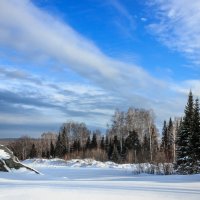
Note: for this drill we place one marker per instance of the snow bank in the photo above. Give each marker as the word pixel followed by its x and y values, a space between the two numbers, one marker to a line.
pixel 90 163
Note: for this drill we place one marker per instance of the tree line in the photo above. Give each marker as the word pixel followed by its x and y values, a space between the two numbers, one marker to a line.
pixel 131 137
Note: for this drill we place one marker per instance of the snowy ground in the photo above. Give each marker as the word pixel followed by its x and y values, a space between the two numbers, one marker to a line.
pixel 86 180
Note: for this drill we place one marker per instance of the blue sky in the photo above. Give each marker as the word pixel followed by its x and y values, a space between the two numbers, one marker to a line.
pixel 80 60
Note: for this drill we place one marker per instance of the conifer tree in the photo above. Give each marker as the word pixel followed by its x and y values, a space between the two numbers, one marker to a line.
pixel 164 143
pixel 48 154
pixel 146 149
pixel 116 142
pixel 102 145
pixel 64 140
pixel 183 139
pixel 60 149
pixel 88 143
pixel 33 152
pixel 78 145
pixel 94 142
pixel 110 149
pixel 133 143
pixel 195 139
pixel 115 154
pixel 58 146
pixel 52 150
pixel 170 141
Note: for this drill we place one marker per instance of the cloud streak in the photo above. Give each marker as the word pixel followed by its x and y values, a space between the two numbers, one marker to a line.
pixel 23 101
pixel 125 22
pixel 177 26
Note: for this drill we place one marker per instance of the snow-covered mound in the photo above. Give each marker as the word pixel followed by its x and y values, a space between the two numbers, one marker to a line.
pixel 90 163
pixel 9 162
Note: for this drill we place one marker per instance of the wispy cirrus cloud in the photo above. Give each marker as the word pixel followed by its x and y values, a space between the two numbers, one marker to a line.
pixel 177 26
pixel 125 21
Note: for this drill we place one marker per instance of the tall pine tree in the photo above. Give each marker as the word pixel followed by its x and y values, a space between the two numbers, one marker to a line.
pixel 61 148
pixel 52 150
pixel 94 141
pixel 184 159
pixel 170 141
pixel 33 152
pixel 88 144
pixel 195 139
pixel 133 143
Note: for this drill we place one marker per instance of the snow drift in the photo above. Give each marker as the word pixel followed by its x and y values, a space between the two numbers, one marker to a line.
pixel 148 168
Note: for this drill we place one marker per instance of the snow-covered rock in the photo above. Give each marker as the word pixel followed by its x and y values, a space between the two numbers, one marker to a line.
pixel 9 162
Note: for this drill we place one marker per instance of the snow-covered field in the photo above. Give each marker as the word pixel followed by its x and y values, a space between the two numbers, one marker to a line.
pixel 88 179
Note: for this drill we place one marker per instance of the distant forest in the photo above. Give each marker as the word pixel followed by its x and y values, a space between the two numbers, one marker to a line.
pixel 132 137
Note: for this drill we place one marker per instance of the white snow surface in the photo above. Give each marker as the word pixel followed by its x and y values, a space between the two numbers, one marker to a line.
pixel 93 180
pixel 4 155
pixel 90 163
pixel 87 163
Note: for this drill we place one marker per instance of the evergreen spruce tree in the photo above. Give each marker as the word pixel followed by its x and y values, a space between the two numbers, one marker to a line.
pixel 33 152
pixel 52 150
pixel 102 145
pixel 64 140
pixel 164 143
pixel 88 143
pixel 195 139
pixel 133 143
pixel 78 145
pixel 48 154
pixel 116 142
pixel 170 141
pixel 94 141
pixel 60 148
pixel 184 160
pixel 110 149
pixel 146 149
pixel 164 137
pixel 115 154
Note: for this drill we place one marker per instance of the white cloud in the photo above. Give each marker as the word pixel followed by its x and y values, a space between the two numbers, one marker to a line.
pixel 187 85
pixel 143 19
pixel 177 26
